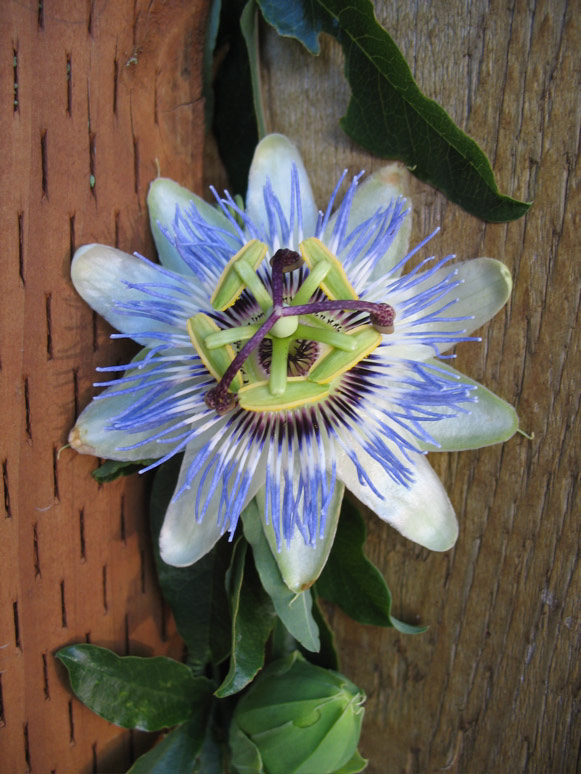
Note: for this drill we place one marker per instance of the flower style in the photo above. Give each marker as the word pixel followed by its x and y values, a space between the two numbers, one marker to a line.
pixel 288 357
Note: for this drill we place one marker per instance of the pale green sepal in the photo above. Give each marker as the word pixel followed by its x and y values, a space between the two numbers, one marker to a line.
pixel 491 420
pixel 182 540
pixel 92 432
pixel 485 288
pixel 422 512
pixel 164 197
pixel 273 161
pixel 100 273
pixel 300 565
pixel 245 755
pixel 293 609
pixel 375 192
pixel 354 766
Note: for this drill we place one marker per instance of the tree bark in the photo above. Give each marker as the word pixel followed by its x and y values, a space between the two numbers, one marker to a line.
pixel 96 97
pixel 492 685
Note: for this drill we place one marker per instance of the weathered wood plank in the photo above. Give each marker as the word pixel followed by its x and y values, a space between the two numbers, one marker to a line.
pixel 491 686
pixel 92 95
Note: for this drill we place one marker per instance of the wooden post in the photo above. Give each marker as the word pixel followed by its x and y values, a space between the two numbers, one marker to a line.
pixel 491 685
pixel 95 98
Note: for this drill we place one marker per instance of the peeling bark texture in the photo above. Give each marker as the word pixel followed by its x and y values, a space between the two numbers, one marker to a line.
pixel 493 685
pixel 95 95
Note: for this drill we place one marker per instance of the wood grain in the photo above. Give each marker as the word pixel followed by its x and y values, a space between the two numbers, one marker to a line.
pixel 94 97
pixel 494 684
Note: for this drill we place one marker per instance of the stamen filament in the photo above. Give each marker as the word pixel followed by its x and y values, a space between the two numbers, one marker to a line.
pixel 311 283
pixel 326 336
pixel 230 335
pixel 254 283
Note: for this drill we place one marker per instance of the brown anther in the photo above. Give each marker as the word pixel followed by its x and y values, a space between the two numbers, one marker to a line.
pixel 382 318
pixel 221 401
pixel 288 259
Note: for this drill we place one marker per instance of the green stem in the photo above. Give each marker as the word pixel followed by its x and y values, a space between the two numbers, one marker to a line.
pixel 249 28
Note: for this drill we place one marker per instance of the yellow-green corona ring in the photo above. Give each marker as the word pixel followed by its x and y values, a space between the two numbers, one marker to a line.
pixel 321 296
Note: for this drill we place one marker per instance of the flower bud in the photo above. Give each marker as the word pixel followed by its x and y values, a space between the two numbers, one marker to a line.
pixel 298 718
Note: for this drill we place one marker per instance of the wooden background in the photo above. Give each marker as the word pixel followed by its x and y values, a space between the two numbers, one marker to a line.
pixel 493 686
pixel 92 94
pixel 103 89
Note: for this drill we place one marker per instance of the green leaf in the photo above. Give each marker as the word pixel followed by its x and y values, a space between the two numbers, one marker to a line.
pixel 388 114
pixel 253 617
pixel 352 582
pixel 249 29
pixel 113 469
pixel 294 20
pixel 196 594
pixel 177 752
pixel 295 610
pixel 234 122
pixel 144 693
pixel 356 764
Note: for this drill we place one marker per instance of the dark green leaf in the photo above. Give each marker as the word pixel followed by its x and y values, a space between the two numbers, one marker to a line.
pixel 352 582
pixel 253 617
pixel 234 124
pixel 113 469
pixel 293 609
pixel 196 594
pixel 389 115
pixel 208 66
pixel 212 757
pixel 299 20
pixel 177 752
pixel 327 656
pixel 144 693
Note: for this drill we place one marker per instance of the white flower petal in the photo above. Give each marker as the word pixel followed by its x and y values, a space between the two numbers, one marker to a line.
pixel 485 288
pixel 93 434
pixel 423 513
pixel 163 198
pixel 99 274
pixel 490 420
pixel 300 565
pixel 273 160
pixel 375 192
pixel 182 540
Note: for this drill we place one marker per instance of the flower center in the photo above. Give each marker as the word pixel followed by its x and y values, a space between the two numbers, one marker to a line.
pixel 301 351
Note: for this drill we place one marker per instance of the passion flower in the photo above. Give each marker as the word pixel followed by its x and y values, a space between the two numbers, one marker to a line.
pixel 287 356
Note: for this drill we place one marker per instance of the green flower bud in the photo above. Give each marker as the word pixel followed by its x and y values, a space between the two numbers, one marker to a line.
pixel 298 718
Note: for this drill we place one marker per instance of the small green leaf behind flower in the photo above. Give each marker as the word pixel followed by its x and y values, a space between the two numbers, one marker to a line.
pixel 143 693
pixel 253 618
pixel 294 609
pixel 352 582
pixel 111 470
pixel 177 751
